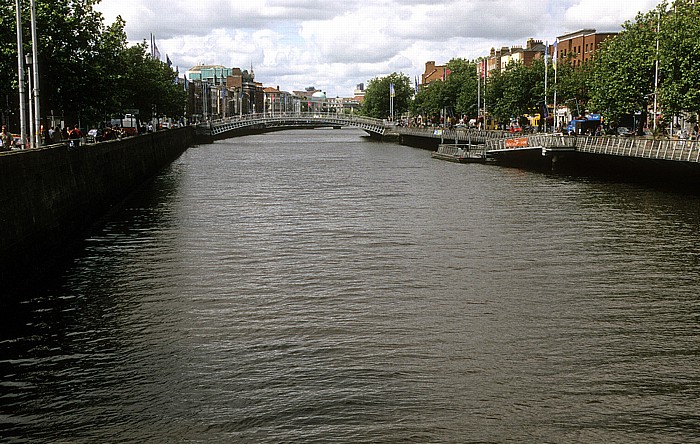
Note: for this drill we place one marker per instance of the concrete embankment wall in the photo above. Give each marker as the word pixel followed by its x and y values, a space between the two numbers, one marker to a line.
pixel 52 196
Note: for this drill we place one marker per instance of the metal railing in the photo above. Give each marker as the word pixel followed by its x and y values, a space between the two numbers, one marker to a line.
pixel 678 150
pixel 459 134
pixel 220 126
pixel 675 150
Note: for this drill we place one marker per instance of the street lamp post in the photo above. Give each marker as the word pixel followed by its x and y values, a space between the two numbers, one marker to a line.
pixel 35 67
pixel 28 60
pixel 20 77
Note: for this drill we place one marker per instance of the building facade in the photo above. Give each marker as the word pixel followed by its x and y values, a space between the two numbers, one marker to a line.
pixel 434 72
pixel 579 47
pixel 499 59
pixel 280 102
pixel 216 92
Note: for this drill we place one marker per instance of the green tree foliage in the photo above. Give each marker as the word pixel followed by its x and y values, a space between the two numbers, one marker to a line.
pixel 516 91
pixel 458 93
pixel 87 70
pixel 148 85
pixel 572 84
pixel 376 103
pixel 622 82
pixel 679 56
pixel 431 99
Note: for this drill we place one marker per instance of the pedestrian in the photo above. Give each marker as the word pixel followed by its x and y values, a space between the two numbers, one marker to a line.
pixel 75 136
pixel 6 139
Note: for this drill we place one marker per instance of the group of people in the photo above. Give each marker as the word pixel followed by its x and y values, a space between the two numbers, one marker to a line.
pixel 57 135
pixel 53 135
pixel 7 140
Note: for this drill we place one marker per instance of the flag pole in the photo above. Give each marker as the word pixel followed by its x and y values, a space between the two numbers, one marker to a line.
pixel 554 65
pixel 546 68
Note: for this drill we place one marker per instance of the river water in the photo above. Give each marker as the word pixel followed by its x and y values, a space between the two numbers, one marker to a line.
pixel 315 286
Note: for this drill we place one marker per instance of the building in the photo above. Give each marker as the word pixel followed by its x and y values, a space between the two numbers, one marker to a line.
pixel 579 47
pixel 246 96
pixel 215 91
pixel 279 102
pixel 208 73
pixel 434 72
pixel 499 59
pixel 533 50
pixel 359 96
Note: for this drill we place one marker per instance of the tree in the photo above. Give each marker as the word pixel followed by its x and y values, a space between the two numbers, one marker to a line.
pixel 461 87
pixel 516 91
pixel 573 84
pixel 431 99
pixel 678 56
pixel 623 75
pixel 149 85
pixel 87 71
pixel 377 96
pixel 457 93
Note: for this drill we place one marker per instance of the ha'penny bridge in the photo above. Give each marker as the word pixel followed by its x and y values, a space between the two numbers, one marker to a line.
pixel 501 146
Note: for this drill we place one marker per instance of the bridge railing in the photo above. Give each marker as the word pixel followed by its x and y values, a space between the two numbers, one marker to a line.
pixel 678 150
pixel 461 134
pixel 267 117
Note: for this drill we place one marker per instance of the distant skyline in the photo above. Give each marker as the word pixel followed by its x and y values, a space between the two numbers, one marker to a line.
pixel 336 45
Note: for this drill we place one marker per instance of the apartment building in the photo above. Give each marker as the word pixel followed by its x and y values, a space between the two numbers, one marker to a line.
pixel 579 46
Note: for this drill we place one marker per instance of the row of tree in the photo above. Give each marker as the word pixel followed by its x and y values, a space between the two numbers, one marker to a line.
pixel 620 80
pixel 88 72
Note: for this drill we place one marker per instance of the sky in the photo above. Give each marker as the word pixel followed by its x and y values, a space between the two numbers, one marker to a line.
pixel 334 45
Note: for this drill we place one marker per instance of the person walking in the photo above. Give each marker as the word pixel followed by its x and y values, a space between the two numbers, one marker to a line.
pixel 75 136
pixel 6 139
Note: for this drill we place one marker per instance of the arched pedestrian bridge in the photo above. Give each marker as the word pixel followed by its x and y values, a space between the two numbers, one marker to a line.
pixel 223 128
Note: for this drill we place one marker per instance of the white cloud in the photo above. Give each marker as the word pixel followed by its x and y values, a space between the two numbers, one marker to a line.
pixel 334 45
pixel 605 15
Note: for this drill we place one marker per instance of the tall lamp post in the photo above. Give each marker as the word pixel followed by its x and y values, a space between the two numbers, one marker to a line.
pixel 35 67
pixel 20 75
pixel 32 129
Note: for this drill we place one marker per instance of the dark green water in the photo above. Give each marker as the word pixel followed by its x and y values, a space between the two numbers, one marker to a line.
pixel 312 286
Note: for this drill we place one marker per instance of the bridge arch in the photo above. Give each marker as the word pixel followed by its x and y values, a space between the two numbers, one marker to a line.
pixel 221 129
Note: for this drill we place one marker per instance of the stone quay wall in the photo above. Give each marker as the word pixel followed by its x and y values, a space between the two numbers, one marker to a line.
pixel 51 196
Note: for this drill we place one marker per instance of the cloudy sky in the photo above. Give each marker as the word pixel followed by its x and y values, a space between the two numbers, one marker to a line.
pixel 336 44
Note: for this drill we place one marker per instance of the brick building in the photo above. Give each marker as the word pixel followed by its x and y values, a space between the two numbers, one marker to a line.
pixel 499 59
pixel 434 72
pixel 579 46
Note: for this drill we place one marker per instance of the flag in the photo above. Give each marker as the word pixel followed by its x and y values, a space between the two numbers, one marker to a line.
pixel 554 55
pixel 546 54
pixel 416 81
pixel 155 53
pixel 167 60
pixel 392 93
